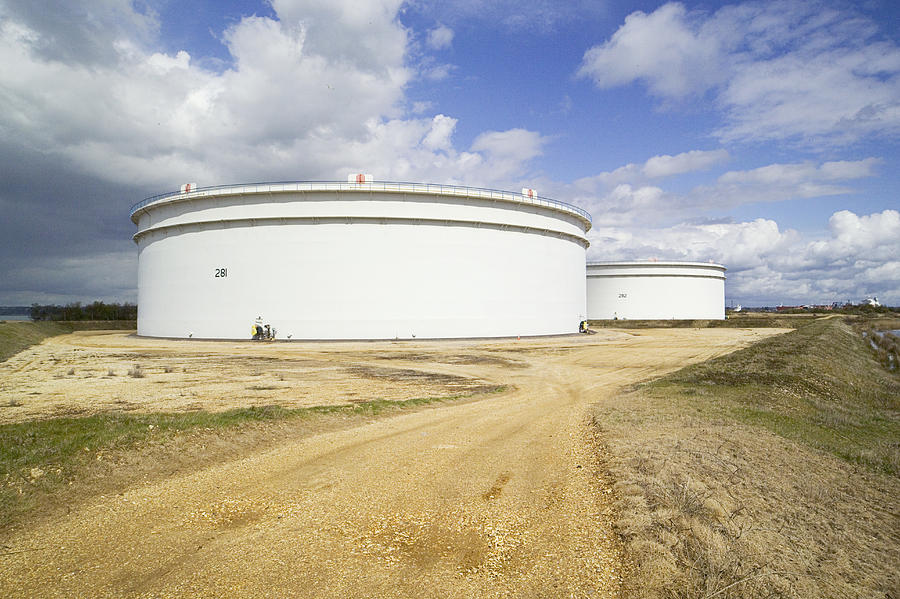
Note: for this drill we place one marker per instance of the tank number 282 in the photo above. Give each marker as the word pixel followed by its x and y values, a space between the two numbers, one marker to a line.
pixel 221 272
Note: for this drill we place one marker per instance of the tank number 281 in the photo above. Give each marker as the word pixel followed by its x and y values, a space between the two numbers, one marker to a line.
pixel 221 272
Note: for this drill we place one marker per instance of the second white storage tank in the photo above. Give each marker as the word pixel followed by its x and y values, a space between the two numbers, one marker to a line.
pixel 655 291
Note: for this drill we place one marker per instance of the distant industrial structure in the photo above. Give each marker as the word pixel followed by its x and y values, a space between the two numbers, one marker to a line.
pixel 358 260
pixel 869 302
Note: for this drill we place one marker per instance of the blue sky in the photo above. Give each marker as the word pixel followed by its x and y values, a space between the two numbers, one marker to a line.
pixel 762 135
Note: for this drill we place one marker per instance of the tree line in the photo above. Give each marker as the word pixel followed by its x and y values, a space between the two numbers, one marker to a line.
pixel 75 311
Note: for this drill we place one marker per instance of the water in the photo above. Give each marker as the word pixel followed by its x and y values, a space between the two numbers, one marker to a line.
pixel 880 333
pixel 15 317
pixel 892 362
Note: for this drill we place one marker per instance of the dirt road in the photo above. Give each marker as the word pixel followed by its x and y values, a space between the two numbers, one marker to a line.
pixel 492 498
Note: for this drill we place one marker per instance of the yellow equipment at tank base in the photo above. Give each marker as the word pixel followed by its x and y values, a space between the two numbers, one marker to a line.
pixel 262 332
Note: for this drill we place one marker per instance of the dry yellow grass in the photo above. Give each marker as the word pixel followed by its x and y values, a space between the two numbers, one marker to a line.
pixel 768 473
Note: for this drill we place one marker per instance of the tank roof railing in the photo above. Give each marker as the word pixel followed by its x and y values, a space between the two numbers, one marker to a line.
pixel 655 263
pixel 387 186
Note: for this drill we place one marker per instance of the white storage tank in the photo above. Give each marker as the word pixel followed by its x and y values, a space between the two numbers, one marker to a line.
pixel 655 291
pixel 358 260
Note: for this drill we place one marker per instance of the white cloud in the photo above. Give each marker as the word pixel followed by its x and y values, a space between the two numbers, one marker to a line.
pixel 438 138
pixel 440 38
pixel 686 162
pixel 633 194
pixel 79 32
pixel 737 245
pixel 624 204
pixel 438 72
pixel 364 34
pixel 656 167
pixel 629 173
pixel 875 235
pixel 780 182
pixel 799 71
pixel 849 169
pixel 508 150
pixel 765 264
pixel 518 143
pixel 670 54
pixel 635 218
pixel 804 172
pixel 156 117
pixel 309 94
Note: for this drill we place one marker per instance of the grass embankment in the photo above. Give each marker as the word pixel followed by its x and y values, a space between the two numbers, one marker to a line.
pixel 47 463
pixel 742 320
pixel 18 335
pixel 771 472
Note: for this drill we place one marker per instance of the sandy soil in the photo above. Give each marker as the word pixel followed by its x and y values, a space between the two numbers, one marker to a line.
pixel 88 372
pixel 491 498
